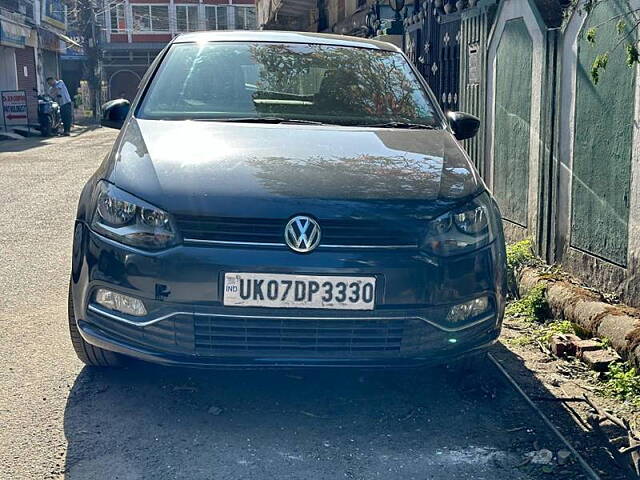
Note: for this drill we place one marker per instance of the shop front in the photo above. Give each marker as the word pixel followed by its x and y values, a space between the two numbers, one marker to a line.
pixel 17 60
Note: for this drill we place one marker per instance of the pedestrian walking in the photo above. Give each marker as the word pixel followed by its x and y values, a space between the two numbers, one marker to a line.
pixel 58 91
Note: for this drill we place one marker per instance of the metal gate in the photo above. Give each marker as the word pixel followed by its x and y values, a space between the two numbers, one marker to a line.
pixel 432 42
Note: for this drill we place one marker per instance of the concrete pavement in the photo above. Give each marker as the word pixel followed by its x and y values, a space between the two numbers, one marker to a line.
pixel 60 420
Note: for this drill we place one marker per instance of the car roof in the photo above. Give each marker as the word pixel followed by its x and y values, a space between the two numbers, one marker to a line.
pixel 284 37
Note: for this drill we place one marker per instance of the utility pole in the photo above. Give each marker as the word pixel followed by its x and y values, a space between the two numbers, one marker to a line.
pixel 96 67
pixel 88 28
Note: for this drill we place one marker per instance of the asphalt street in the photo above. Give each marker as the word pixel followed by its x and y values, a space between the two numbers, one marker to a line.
pixel 59 419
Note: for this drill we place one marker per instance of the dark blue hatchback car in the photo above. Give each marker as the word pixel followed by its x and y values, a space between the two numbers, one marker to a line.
pixel 285 199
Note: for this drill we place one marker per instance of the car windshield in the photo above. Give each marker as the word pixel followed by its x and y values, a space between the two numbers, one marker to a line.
pixel 288 82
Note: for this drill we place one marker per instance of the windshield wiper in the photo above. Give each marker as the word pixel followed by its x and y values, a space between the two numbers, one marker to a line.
pixel 407 125
pixel 262 120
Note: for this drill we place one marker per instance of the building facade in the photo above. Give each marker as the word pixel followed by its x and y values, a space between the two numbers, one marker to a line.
pixel 345 17
pixel 135 31
pixel 32 36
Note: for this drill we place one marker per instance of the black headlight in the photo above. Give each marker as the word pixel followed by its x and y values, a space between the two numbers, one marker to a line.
pixel 130 220
pixel 462 230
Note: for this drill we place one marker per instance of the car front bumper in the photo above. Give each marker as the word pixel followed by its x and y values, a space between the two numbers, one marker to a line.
pixel 187 324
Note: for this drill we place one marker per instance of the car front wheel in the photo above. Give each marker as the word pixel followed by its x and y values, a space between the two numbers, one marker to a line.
pixel 87 353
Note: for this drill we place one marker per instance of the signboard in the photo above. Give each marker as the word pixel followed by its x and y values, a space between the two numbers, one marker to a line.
pixel 14 108
pixel 13 35
pixel 49 41
pixel 54 13
pixel 74 52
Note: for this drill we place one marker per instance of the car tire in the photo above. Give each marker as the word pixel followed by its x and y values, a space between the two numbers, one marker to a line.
pixel 90 355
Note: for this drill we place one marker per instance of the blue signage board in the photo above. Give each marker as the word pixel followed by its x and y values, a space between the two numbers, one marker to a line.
pixel 11 36
pixel 74 52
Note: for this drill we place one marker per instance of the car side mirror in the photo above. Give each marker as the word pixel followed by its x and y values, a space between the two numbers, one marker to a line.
pixel 464 125
pixel 114 113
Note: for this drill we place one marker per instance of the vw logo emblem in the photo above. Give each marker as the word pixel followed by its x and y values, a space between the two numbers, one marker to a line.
pixel 302 234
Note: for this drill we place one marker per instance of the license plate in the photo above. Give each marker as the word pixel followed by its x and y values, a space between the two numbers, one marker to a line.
pixel 299 291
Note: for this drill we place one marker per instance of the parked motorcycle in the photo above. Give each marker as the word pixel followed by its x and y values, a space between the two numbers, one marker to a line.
pixel 49 116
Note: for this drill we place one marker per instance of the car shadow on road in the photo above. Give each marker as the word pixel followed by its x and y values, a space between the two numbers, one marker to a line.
pixel 35 141
pixel 148 421
pixel 564 415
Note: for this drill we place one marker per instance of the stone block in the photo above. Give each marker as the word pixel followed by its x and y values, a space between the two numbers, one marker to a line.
pixel 599 360
pixel 583 346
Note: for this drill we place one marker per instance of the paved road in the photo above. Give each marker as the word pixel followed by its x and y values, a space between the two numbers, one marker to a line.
pixel 60 420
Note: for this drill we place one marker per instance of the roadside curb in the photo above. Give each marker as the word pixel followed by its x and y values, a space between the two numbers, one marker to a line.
pixel 620 324
pixel 10 136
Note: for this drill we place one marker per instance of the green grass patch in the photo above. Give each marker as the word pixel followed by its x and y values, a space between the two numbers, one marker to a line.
pixel 532 307
pixel 556 327
pixel 519 255
pixel 521 341
pixel 605 342
pixel 542 333
pixel 622 382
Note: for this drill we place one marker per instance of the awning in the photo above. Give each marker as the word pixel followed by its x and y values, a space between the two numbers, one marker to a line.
pixel 63 37
pixel 13 34
pixel 68 40
pixel 50 40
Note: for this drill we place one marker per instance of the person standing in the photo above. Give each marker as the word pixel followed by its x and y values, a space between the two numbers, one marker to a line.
pixel 58 90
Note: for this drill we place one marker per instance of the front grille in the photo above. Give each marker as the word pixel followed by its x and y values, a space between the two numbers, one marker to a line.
pixel 174 334
pixel 264 230
pixel 308 337
pixel 230 336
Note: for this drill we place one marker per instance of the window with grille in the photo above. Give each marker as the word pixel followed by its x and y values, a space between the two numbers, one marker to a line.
pixel 118 22
pixel 26 8
pixel 217 17
pixel 150 18
pixel 187 18
pixel 245 17
pixel 9 4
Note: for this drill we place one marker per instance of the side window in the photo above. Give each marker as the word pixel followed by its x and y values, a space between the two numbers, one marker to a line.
pixel 117 18
pixel 159 18
pixel 141 18
pixel 223 17
pixel 244 18
pixel 187 18
pixel 150 18
pixel 216 17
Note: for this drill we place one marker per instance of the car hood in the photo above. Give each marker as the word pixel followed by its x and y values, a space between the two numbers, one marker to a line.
pixel 240 169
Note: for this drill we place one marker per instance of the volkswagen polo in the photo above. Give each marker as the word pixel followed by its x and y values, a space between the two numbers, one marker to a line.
pixel 285 199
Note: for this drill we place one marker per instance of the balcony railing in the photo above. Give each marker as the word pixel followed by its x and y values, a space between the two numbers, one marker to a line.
pixel 17 10
pixel 26 8
pixel 10 5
